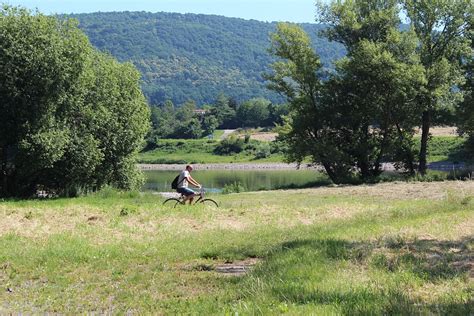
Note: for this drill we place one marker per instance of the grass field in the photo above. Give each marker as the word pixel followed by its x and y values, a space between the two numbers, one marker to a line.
pixel 395 248
pixel 442 147
pixel 181 151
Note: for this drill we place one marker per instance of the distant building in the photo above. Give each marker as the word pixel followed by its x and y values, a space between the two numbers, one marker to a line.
pixel 200 112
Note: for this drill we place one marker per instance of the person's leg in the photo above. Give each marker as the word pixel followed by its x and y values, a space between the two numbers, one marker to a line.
pixel 191 198
pixel 188 195
pixel 184 196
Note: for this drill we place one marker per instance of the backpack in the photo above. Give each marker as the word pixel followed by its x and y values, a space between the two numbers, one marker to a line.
pixel 174 184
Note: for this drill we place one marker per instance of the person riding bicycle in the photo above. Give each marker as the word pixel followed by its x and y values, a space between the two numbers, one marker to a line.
pixel 183 180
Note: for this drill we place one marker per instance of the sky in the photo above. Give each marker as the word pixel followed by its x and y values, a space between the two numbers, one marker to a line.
pixel 264 10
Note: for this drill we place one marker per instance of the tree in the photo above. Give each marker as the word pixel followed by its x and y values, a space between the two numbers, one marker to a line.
pixel 254 112
pixel 441 27
pixel 296 76
pixel 465 111
pixel 371 100
pixel 224 109
pixel 351 21
pixel 209 124
pixel 353 121
pixel 72 118
pixel 377 82
pixel 163 120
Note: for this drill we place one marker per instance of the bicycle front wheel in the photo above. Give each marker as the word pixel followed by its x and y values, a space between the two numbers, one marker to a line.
pixel 210 202
pixel 172 202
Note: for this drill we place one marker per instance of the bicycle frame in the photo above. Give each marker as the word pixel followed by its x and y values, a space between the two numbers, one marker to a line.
pixel 199 200
pixel 200 194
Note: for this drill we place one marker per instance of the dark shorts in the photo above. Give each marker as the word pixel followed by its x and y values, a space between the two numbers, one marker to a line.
pixel 185 191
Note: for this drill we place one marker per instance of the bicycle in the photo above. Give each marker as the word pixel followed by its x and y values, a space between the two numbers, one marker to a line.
pixel 201 200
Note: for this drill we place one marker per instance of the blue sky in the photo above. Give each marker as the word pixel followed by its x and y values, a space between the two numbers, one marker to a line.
pixel 263 10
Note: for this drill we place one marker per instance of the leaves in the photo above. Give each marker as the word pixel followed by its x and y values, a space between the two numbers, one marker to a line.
pixel 73 118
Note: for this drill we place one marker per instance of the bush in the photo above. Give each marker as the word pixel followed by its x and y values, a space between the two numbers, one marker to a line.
pixel 229 146
pixel 263 151
pixel 72 118
pixel 235 187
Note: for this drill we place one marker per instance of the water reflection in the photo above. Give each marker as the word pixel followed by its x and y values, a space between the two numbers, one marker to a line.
pixel 252 180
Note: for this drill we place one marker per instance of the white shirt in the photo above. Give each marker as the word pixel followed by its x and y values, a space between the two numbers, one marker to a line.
pixel 182 182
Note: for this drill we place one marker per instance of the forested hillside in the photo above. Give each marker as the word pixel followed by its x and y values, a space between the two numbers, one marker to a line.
pixel 194 56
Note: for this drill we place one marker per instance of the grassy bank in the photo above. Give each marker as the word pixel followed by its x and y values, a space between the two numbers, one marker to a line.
pixel 172 151
pixel 446 148
pixel 399 248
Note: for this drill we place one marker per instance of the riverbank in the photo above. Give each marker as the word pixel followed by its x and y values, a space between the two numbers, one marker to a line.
pixel 440 166
pixel 229 166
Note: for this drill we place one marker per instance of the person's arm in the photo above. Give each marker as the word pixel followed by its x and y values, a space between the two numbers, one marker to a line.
pixel 193 182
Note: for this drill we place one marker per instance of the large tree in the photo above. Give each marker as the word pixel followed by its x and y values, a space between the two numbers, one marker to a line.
pixel 465 111
pixel 254 112
pixel 309 128
pixel 72 118
pixel 375 86
pixel 361 115
pixel 441 27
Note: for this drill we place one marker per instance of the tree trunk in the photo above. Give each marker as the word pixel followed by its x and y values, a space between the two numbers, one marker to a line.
pixel 364 169
pixel 410 158
pixel 331 173
pixel 3 177
pixel 425 131
pixel 3 171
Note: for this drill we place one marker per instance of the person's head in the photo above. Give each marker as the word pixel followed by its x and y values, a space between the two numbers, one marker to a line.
pixel 189 168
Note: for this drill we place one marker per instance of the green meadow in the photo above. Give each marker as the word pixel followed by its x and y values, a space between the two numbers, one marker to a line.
pixel 171 151
pixel 392 248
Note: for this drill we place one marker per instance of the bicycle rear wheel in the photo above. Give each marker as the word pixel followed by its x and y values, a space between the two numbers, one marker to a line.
pixel 210 202
pixel 172 202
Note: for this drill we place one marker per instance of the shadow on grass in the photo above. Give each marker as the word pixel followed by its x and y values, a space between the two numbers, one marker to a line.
pixel 429 261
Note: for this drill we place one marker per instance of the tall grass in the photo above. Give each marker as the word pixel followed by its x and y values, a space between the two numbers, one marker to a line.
pixel 347 250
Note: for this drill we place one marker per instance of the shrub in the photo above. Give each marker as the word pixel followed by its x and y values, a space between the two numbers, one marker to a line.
pixel 263 151
pixel 235 187
pixel 229 146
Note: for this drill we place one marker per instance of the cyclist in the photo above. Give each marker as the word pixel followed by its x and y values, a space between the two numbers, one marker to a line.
pixel 183 180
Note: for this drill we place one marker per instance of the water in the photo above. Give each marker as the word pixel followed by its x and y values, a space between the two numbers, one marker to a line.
pixel 252 180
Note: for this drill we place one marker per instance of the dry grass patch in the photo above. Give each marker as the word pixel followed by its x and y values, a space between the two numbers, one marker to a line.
pixel 40 223
pixel 441 131
pixel 401 190
pixel 264 136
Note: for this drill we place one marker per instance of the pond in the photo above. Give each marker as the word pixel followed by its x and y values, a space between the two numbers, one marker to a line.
pixel 251 180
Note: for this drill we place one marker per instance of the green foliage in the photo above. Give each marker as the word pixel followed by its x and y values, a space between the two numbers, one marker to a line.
pixel 194 56
pixel 442 28
pixel 254 112
pixel 225 111
pixel 445 148
pixel 229 146
pixel 72 118
pixel 364 111
pixel 465 110
pixel 187 122
pixel 263 151
pixel 235 187
pixel 180 122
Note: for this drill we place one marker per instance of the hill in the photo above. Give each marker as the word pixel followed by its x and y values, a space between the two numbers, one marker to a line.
pixel 194 56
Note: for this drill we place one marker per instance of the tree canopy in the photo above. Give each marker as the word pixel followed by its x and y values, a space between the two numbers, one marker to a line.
pixel 72 117
pixel 366 111
pixel 442 30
